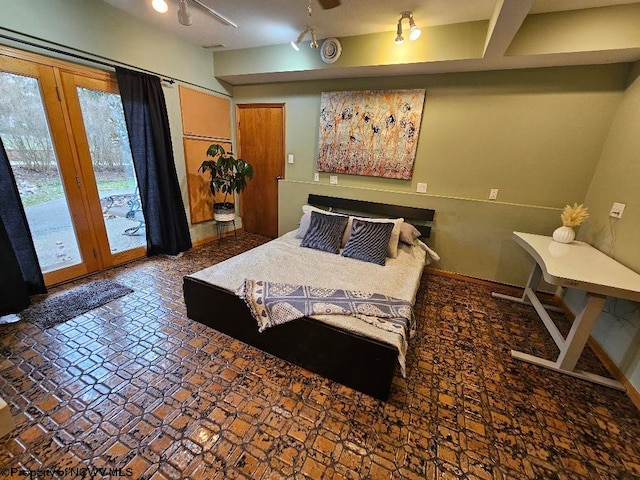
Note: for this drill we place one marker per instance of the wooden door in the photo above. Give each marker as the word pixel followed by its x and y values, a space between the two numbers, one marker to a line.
pixel 261 143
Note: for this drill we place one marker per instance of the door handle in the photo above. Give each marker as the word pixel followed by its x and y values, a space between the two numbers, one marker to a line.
pixel 279 177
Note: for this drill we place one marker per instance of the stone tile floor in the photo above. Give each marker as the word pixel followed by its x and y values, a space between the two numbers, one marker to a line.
pixel 136 385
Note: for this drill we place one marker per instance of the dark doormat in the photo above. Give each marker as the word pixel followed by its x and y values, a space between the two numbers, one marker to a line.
pixel 59 308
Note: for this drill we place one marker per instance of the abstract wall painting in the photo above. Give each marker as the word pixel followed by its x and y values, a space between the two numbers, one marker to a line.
pixel 372 133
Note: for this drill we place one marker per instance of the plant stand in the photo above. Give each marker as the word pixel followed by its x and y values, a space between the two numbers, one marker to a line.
pixel 220 226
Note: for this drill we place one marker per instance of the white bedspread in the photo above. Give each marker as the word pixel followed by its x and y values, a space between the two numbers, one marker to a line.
pixel 283 260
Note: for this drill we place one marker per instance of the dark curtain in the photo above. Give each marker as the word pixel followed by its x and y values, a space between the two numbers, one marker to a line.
pixel 145 113
pixel 20 274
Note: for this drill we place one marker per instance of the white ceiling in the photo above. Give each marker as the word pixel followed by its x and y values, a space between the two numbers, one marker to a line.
pixel 271 22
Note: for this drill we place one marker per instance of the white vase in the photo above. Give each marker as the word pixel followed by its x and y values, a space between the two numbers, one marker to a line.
pixel 564 234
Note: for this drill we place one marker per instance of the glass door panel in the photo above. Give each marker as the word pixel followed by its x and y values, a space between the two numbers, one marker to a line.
pixel 108 143
pixel 64 131
pixel 101 140
pixel 27 138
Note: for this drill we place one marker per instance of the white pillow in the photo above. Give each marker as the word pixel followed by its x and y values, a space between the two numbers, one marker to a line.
pixel 306 219
pixel 392 248
pixel 409 234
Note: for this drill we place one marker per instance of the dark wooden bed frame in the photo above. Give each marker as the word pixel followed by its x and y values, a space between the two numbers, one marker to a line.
pixel 361 363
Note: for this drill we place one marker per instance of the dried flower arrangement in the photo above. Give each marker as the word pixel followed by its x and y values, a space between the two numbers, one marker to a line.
pixel 574 216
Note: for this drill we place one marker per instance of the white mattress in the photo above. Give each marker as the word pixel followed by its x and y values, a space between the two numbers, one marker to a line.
pixel 284 260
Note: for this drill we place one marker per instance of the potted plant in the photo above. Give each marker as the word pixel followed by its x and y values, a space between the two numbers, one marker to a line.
pixel 227 175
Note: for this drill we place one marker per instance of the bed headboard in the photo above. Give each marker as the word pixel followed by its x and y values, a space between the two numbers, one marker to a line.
pixel 419 217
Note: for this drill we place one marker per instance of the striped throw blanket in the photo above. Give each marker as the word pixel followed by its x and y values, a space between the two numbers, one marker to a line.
pixel 273 304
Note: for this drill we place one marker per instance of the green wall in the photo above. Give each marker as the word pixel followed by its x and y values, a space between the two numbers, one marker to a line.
pixel 544 137
pixel 444 43
pixel 97 27
pixel 617 179
pixel 598 33
pixel 536 135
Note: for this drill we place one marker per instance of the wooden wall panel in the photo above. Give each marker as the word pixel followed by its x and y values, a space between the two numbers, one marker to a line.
pixel 204 115
pixel 200 198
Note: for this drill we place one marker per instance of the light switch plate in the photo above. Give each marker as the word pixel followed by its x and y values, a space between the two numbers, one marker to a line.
pixel 333 179
pixel 316 177
pixel 493 194
pixel 421 188
pixel 290 158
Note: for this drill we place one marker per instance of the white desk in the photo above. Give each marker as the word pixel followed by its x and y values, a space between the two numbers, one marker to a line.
pixel 580 266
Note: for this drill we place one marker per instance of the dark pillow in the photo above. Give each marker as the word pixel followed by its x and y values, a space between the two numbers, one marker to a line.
pixel 325 232
pixel 368 241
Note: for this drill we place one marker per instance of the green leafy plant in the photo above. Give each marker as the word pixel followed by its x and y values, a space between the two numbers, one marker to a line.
pixel 227 173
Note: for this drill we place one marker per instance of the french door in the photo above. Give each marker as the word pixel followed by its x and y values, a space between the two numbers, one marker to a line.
pixel 63 129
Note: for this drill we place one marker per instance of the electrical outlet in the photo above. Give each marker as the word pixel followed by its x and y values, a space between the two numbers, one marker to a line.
pixel 616 210
pixel 493 194
pixel 333 179
pixel 421 188
pixel 316 177
pixel 290 158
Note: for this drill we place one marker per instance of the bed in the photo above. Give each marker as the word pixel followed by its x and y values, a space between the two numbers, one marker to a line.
pixel 346 350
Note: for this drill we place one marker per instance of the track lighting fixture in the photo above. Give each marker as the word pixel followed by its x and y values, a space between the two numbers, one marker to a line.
pixel 160 6
pixel 296 43
pixel 184 14
pixel 307 29
pixel 222 19
pixel 399 37
pixel 314 39
pixel 414 31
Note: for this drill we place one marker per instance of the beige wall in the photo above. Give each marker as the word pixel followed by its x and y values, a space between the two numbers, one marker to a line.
pixel 535 134
pixel 95 26
pixel 617 179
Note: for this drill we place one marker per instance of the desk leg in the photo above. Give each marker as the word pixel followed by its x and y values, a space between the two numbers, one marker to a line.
pixel 532 284
pixel 572 347
pixel 580 331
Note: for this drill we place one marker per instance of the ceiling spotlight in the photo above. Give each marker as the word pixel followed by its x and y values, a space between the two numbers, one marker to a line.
pixel 414 31
pixel 160 6
pixel 307 29
pixel 184 14
pixel 399 37
pixel 314 39
pixel 296 43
